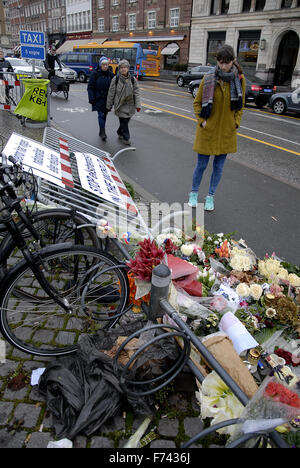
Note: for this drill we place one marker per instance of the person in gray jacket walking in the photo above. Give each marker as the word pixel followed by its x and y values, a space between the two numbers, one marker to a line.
pixel 124 95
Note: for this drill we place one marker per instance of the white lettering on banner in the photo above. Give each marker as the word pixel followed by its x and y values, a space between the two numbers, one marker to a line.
pixel 96 177
pixel 34 156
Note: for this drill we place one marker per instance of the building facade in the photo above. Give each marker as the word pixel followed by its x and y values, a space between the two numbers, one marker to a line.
pixel 48 16
pixel 265 35
pixel 163 22
pixel 79 19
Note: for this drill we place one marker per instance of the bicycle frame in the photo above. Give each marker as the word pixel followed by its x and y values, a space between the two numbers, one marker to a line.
pixel 9 202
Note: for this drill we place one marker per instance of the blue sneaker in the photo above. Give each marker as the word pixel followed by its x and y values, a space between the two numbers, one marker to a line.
pixel 193 199
pixel 209 203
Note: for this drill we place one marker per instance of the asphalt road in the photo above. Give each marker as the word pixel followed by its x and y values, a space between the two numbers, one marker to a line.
pixel 259 195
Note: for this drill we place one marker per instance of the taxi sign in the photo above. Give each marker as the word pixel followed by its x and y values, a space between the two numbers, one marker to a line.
pixel 32 45
pixel 34 38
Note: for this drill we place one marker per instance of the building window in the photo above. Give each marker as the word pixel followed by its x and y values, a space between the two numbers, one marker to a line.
pixel 115 2
pixel 260 5
pixel 247 52
pixel 100 4
pixel 115 23
pixel 101 24
pixel 214 42
pixel 286 3
pixel 225 7
pixel 151 19
pixel 132 21
pixel 246 5
pixel 214 7
pixel 174 17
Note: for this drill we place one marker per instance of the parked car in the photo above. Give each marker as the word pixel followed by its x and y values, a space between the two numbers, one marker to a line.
pixel 195 73
pixel 281 103
pixel 21 67
pixel 83 63
pixel 66 73
pixel 257 91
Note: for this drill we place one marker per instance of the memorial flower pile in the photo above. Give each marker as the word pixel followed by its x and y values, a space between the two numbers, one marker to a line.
pixel 262 294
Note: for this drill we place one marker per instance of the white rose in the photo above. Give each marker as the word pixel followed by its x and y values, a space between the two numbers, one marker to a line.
pixel 256 291
pixel 294 280
pixel 243 290
pixel 187 249
pixel 272 266
pixel 283 274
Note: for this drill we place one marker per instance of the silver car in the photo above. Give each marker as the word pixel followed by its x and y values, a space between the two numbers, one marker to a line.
pixel 281 103
pixel 66 73
pixel 21 68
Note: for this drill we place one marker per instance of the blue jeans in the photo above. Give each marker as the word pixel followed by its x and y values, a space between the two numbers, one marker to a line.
pixel 216 174
pixel 102 119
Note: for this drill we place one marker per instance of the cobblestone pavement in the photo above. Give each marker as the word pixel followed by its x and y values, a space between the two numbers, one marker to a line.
pixel 24 419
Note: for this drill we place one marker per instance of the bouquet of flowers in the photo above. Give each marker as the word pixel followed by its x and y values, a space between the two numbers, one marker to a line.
pixel 274 404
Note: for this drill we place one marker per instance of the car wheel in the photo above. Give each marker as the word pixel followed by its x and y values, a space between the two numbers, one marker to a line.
pixel 279 106
pixel 180 81
pixel 82 77
pixel 195 91
pixel 260 102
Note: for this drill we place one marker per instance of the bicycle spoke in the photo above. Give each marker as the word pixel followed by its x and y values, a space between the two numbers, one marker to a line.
pixel 36 323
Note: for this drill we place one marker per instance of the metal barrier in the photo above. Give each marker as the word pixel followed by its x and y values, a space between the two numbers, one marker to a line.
pixel 11 91
pixel 74 196
pixel 158 307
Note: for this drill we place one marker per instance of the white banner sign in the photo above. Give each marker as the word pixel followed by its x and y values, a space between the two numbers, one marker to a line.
pixel 43 161
pixel 95 177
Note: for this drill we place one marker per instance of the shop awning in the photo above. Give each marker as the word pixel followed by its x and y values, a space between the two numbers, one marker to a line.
pixel 68 45
pixel 170 49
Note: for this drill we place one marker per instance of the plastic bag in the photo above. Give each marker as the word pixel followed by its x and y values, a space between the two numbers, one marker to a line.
pixel 82 391
pixel 274 404
pixel 33 104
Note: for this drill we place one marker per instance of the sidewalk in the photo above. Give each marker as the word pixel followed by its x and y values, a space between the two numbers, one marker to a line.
pixel 25 421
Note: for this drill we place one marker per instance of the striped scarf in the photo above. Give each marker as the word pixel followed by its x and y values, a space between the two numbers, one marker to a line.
pixel 236 92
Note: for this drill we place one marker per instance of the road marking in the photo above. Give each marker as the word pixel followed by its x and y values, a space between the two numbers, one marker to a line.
pixel 272 136
pixel 70 109
pixel 269 144
pixel 168 105
pixel 183 95
pixel 273 117
pixel 169 112
pixel 239 134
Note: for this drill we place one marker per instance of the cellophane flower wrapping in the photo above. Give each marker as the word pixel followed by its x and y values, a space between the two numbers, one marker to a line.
pixel 274 404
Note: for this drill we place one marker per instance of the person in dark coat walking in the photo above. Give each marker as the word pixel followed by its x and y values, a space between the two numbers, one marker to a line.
pixel 98 87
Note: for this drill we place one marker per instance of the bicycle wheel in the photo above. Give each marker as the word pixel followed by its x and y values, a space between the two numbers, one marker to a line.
pixel 54 226
pixel 36 324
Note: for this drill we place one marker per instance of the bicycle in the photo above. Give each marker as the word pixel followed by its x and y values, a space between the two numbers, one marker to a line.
pixel 40 299
pixel 45 226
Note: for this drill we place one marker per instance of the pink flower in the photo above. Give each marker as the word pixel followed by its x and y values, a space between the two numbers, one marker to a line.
pixel 218 303
pixel 276 290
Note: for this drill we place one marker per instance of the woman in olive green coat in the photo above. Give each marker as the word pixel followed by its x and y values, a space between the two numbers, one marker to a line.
pixel 218 107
